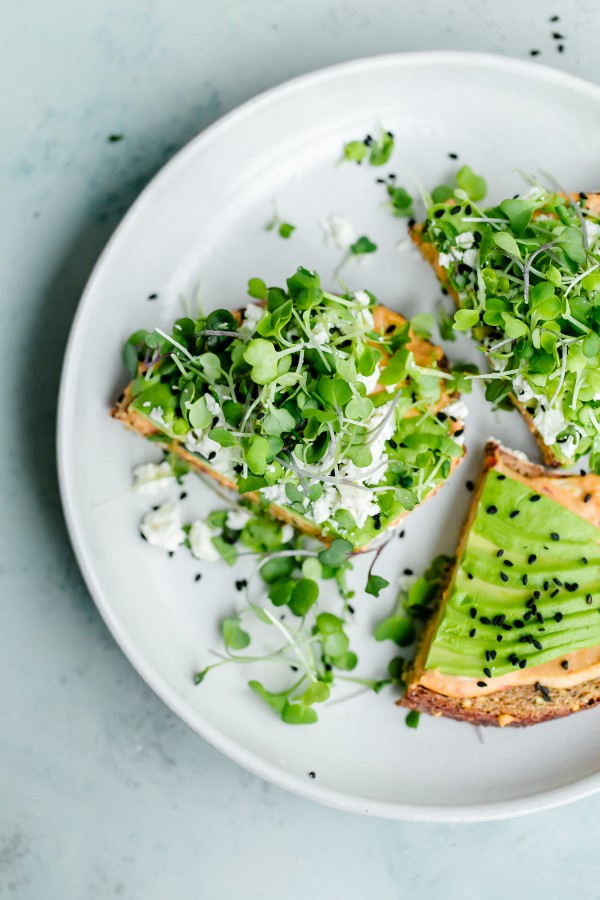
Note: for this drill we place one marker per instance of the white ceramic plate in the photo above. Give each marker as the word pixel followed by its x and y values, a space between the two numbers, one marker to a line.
pixel 203 220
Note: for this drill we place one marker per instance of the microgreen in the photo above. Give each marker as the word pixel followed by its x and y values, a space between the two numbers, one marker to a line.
pixel 376 150
pixel 362 245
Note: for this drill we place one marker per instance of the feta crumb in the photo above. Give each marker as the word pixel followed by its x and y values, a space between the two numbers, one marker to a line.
pixel 162 527
pixel 360 503
pixel 549 422
pixel 458 409
pixel 201 543
pixel 323 507
pixel 320 333
pixel 252 316
pixel 151 478
pixel 370 381
pixel 338 232
pixel 157 414
pixel 361 297
pixel 469 257
pixel 237 518
pixel 465 240
pixel 287 533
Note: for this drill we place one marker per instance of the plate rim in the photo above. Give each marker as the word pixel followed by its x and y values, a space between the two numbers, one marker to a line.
pixel 234 750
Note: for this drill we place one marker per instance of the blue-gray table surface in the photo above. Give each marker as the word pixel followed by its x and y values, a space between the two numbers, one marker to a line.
pixel 103 791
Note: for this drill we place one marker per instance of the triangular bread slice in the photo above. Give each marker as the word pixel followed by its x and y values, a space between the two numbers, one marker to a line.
pixel 385 321
pixel 430 254
pixel 564 682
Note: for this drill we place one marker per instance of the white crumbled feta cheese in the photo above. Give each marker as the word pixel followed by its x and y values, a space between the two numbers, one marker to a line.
pixel 370 381
pixel 568 447
pixel 252 316
pixel 338 232
pixel 162 527
pixel 223 459
pixel 360 503
pixel 446 260
pixel 275 493
pixel 322 508
pixel 458 409
pixel 157 415
pixel 469 257
pixel 237 518
pixel 465 240
pixel 549 422
pixel 523 390
pixel 592 230
pixel 361 297
pixel 287 533
pixel 151 478
pixel 320 334
pixel 201 544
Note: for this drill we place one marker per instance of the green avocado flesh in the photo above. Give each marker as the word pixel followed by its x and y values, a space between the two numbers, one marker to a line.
pixel 492 617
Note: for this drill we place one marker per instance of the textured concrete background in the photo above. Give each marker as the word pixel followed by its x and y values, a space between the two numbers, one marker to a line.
pixel 103 792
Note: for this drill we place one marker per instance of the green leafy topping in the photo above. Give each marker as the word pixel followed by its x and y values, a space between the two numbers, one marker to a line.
pixel 362 245
pixel 527 277
pixel 473 185
pixel 412 719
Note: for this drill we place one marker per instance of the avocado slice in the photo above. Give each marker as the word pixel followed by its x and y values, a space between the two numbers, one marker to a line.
pixel 526 589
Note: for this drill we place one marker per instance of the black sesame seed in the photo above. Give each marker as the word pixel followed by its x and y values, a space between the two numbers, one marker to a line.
pixel 393 444
pixel 171 554
pixel 534 498
pixel 487 656
pixel 472 612
pixel 143 536
pixel 487 671
pixel 408 572
pixel 554 18
pixel 500 553
pixel 518 623
pixel 499 638
pixel 527 616
pixel 504 576
pixel 212 454
pixel 402 533
pixel 534 52
pixel 241 584
pixel 472 632
pixel 152 296
pixel 484 620
pixel 536 595
pixel 513 514
pixel 492 510
pixel 530 603
pixel 571 586
pixel 493 654
pixel 522 663
pixel 539 616
pixel 455 209
pixel 198 576
pixel 501 478
pixel 458 432
pixel 555 536
pixel 565 664
pixel 557 36
pixel 183 495
pixel 380 181
pixel 537 644
pixel 470 486
pixel 439 213
pixel 441 417
pixel 390 328
pixel 584 560
pixel 557 581
pixel 482 684
pixel 531 558
pixel 350 609
pixel 508 563
pixel 469 576
pixel 588 599
pixel 546 585
pixel 453 155
pixel 507 627
pixel 524 579
pixel 587 498
pixel 312 775
pixel 559 617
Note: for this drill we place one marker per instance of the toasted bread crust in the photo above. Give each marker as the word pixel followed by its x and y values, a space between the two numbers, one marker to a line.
pixel 424 351
pixel 517 706
pixel 430 254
